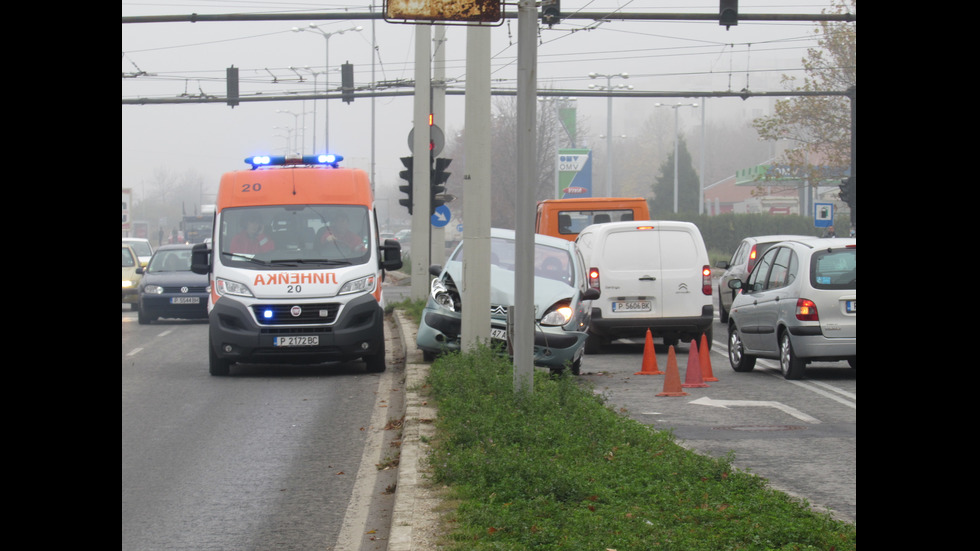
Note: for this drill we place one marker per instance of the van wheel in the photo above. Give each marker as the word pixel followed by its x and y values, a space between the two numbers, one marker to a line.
pixel 791 366
pixel 218 367
pixel 668 342
pixel 741 362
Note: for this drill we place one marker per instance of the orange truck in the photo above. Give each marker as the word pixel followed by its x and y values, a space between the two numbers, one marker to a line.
pixel 295 264
pixel 565 218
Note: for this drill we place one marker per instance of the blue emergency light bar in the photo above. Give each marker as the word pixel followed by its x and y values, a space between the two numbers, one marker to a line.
pixel 325 159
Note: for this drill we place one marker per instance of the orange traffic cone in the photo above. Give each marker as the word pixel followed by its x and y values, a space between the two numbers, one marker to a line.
pixel 672 382
pixel 704 354
pixel 693 376
pixel 649 366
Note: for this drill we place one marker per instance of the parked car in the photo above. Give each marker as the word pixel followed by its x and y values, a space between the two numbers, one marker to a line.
pixel 142 247
pixel 562 301
pixel 404 238
pixel 798 305
pixel 169 289
pixel 130 276
pixel 654 275
pixel 743 260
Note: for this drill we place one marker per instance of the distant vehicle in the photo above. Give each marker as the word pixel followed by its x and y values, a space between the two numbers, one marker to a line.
pixel 169 289
pixel 562 301
pixel 798 305
pixel 197 227
pixel 404 238
pixel 749 250
pixel 565 218
pixel 654 275
pixel 130 276
pixel 142 247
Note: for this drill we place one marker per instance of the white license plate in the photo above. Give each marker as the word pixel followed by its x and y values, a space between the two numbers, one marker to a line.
pixel 296 341
pixel 632 306
pixel 498 334
pixel 185 300
pixel 851 306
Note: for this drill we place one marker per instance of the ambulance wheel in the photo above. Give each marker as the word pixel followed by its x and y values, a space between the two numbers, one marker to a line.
pixel 218 367
pixel 376 362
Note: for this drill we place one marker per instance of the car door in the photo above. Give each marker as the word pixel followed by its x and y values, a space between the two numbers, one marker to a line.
pixel 680 274
pixel 631 274
pixel 745 309
pixel 776 297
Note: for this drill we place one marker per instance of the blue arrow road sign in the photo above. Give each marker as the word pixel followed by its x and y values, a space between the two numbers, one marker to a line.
pixel 441 216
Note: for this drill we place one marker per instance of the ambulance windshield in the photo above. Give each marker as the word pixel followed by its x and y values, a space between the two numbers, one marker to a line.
pixel 279 235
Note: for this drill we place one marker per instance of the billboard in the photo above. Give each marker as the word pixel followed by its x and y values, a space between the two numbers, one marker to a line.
pixel 574 173
pixel 470 11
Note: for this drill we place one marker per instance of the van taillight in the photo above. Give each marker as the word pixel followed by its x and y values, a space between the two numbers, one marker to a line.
pixel 706 280
pixel 806 310
pixel 594 278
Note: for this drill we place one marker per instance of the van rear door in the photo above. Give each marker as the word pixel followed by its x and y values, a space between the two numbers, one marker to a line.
pixel 681 277
pixel 631 276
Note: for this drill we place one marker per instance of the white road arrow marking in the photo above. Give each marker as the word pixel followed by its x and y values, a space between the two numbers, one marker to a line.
pixel 762 403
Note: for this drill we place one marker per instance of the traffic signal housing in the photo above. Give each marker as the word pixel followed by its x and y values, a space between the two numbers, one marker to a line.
pixel 728 13
pixel 347 82
pixel 231 82
pixel 550 12
pixel 407 188
pixel 437 182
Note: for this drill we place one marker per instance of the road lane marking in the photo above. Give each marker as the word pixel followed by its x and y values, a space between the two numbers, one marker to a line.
pixel 135 351
pixel 758 403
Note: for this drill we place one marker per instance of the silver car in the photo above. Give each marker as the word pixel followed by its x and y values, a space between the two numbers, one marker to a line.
pixel 562 301
pixel 798 305
pixel 747 253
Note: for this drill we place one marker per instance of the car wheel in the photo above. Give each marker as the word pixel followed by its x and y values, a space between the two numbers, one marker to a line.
pixel 218 367
pixel 593 344
pixel 577 366
pixel 791 366
pixel 428 356
pixel 143 317
pixel 853 362
pixel 722 313
pixel 740 361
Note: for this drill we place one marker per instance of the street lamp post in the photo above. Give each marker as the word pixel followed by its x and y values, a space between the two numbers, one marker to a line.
pixel 299 149
pixel 609 148
pixel 326 76
pixel 674 107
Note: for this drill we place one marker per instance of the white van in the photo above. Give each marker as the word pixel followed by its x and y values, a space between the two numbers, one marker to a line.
pixel 296 265
pixel 652 275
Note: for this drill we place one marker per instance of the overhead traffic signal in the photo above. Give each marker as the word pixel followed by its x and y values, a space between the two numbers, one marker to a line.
pixel 550 12
pixel 847 188
pixel 347 82
pixel 728 13
pixel 408 177
pixel 437 182
pixel 231 81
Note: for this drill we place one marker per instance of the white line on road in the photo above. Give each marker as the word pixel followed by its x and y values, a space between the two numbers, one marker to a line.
pixel 759 403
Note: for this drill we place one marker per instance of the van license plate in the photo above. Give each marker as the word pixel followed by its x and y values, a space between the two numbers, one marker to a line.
pixel 185 300
pixel 851 306
pixel 632 306
pixel 296 341
pixel 498 334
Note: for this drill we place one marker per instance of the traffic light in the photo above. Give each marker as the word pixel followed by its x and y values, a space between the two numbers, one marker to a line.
pixel 231 81
pixel 437 183
pixel 847 188
pixel 407 189
pixel 550 12
pixel 728 13
pixel 347 82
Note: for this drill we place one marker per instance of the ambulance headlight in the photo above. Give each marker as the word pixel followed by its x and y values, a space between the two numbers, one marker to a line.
pixel 228 287
pixel 362 285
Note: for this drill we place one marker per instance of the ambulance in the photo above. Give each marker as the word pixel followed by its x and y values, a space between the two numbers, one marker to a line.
pixel 295 265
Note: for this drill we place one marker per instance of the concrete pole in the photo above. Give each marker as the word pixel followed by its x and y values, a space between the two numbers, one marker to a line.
pixel 438 249
pixel 421 220
pixel 476 189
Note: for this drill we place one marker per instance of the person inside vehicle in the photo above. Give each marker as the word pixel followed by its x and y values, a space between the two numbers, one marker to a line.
pixel 251 239
pixel 339 233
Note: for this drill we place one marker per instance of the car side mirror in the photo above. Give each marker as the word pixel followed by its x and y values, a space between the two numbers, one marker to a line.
pixel 435 270
pixel 391 255
pixel 590 294
pixel 735 284
pixel 140 269
pixel 723 264
pixel 201 258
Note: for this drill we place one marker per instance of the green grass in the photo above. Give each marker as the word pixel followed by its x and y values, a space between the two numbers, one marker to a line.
pixel 558 469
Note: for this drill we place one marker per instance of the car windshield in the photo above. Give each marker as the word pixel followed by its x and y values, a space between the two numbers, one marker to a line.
pixel 834 269
pixel 142 248
pixel 127 258
pixel 281 235
pixel 170 261
pixel 550 262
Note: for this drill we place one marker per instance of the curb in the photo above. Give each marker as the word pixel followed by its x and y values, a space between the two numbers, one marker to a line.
pixel 409 513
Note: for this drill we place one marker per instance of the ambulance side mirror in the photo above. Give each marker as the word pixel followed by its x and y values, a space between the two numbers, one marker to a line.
pixel 391 255
pixel 201 258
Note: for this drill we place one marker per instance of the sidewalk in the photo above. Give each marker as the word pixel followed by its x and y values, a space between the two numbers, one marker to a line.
pixel 414 519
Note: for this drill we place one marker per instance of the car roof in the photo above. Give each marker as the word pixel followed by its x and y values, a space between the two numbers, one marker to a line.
pixel 822 242
pixel 618 226
pixel 538 238
pixel 176 246
pixel 778 237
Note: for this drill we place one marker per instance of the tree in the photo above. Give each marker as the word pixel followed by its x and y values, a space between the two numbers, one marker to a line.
pixel 688 185
pixel 821 125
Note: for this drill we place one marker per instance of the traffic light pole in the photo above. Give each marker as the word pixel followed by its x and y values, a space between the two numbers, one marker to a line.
pixel 421 167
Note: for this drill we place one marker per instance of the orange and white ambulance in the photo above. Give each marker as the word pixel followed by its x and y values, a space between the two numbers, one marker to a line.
pixel 296 266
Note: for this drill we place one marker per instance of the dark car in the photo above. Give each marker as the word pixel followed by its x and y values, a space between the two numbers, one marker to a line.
pixel 169 289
